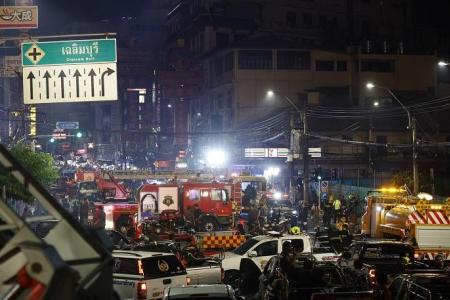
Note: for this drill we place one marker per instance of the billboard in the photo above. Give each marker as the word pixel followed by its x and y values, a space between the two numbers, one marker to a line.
pixel 18 17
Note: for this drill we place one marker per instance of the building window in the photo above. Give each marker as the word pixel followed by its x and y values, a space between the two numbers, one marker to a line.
pixel 229 62
pixel 218 66
pixel 255 59
pixel 324 65
pixel 323 22
pixel 291 19
pixel 293 60
pixel 222 39
pixel 383 66
pixel 341 66
pixel 307 20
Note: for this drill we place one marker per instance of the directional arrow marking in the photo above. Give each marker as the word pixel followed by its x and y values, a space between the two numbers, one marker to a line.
pixel 31 77
pixel 92 75
pixel 62 75
pixel 47 85
pixel 108 72
pixel 77 82
pixel 71 83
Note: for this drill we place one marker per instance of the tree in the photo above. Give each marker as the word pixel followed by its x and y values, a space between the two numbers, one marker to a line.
pixel 405 177
pixel 39 165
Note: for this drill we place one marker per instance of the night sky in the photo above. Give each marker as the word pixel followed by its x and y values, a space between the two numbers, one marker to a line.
pixel 56 13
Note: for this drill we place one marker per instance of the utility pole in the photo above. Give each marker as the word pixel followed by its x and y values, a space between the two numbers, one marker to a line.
pixel 291 158
pixel 414 156
pixel 305 158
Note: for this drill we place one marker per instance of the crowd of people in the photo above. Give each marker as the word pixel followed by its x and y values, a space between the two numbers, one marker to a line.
pixel 293 273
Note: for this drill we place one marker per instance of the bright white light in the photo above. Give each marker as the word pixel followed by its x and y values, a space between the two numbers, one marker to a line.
pixel 181 165
pixel 425 196
pixel 273 171
pixel 169 105
pixel 234 174
pixel 442 63
pixel 379 208
pixel 294 212
pixel 277 196
pixel 376 103
pixel 215 158
pixel 199 114
pixel 270 93
pixel 370 85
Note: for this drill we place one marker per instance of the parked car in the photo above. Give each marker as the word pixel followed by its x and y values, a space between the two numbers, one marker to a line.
pixel 323 277
pixel 145 275
pixel 432 284
pixel 261 248
pixel 385 258
pixel 200 270
pixel 214 291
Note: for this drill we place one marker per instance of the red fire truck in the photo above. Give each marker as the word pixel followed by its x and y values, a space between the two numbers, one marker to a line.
pixel 104 191
pixel 214 199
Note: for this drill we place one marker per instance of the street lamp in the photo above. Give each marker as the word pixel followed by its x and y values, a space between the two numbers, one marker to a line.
pixel 271 173
pixel 371 86
pixel 302 115
pixel 411 126
pixel 215 158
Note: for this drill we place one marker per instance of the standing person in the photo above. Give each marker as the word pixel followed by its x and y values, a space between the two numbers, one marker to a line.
pixel 76 209
pixel 100 218
pixel 336 209
pixel 261 215
pixel 84 211
pixel 197 214
pixel 327 213
pixel 303 215
pixel 190 215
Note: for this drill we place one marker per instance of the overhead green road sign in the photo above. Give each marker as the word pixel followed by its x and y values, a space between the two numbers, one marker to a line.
pixel 69 52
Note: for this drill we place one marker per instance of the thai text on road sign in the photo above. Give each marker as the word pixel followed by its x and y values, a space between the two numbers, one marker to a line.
pixel 69 52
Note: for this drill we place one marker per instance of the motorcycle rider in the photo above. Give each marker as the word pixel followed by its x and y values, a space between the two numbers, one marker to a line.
pixel 278 282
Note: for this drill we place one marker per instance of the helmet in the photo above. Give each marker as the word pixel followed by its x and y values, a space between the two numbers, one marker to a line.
pixel 295 230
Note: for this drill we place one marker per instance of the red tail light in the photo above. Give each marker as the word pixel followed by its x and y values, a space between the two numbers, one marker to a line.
pixel 372 277
pixel 141 290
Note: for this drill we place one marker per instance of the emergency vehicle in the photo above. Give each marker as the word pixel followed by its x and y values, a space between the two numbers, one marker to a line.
pixel 419 220
pixel 115 200
pixel 212 198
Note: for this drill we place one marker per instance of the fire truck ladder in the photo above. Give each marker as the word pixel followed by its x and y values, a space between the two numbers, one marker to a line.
pixel 143 175
pixel 67 263
pixel 119 186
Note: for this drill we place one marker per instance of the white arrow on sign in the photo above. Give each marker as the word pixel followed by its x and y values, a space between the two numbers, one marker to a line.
pixel 70 83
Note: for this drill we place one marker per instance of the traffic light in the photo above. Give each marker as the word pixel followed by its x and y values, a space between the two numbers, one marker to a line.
pixel 318 173
pixel 79 134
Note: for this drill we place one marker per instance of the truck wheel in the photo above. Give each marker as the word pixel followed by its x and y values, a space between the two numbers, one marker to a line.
pixel 209 224
pixel 231 278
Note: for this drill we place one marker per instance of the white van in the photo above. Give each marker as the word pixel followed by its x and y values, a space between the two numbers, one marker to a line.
pixel 145 275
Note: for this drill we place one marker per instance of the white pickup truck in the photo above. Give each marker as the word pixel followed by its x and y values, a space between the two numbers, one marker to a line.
pixel 261 248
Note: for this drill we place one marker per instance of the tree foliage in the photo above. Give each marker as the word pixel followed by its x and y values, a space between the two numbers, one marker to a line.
pixel 39 165
pixel 405 177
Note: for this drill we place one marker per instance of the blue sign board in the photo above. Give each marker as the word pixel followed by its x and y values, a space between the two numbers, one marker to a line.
pixel 67 125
